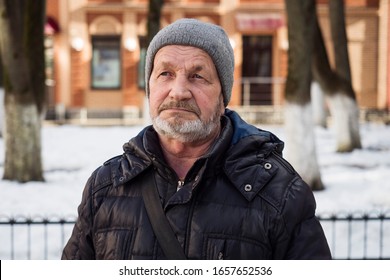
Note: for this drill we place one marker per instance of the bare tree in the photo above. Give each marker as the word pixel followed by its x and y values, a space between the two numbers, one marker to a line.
pixel 154 17
pixel 337 84
pixel 307 47
pixel 343 105
pixel 22 55
pixel 153 26
pixel 299 125
pixel 318 101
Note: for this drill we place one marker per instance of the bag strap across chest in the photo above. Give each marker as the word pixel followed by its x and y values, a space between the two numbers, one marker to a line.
pixel 161 227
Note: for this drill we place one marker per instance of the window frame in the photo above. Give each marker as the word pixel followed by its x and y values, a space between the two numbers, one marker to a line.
pixel 106 45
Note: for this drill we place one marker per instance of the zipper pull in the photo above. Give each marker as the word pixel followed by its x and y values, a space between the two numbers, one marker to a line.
pixel 180 184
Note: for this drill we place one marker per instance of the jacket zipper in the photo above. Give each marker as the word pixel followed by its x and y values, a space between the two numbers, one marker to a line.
pixel 180 184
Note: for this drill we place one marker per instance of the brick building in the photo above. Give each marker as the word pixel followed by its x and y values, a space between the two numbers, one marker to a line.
pixel 94 49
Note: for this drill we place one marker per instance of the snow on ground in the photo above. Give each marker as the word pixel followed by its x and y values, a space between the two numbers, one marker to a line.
pixel 70 154
pixel 354 182
pixel 357 181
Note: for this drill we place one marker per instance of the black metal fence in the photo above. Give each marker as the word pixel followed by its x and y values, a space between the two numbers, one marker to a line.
pixel 359 235
pixel 350 236
pixel 39 238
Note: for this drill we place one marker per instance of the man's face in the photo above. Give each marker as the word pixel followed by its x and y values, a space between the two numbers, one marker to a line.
pixel 185 98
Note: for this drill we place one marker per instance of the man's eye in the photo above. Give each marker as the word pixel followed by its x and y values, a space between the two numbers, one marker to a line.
pixel 197 76
pixel 165 74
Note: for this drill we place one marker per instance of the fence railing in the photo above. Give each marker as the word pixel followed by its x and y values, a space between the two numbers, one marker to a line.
pixel 350 236
pixel 358 235
pixel 39 238
pixel 270 91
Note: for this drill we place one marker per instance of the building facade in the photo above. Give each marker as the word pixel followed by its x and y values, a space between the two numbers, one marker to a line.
pixel 95 50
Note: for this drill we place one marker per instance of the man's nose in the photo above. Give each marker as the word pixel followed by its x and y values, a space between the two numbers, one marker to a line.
pixel 180 88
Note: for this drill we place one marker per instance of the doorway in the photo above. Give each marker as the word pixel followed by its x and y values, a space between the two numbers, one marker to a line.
pixel 257 70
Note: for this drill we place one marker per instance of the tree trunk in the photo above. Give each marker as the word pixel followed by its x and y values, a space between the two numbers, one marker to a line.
pixel 22 139
pixel 339 37
pixel 318 102
pixel 154 16
pixel 343 103
pixel 21 39
pixel 301 151
pixel 337 84
pixel 35 49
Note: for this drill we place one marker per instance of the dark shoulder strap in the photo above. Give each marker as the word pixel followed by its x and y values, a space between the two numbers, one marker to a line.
pixel 161 227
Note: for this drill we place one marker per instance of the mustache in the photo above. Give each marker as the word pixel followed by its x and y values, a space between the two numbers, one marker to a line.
pixel 179 105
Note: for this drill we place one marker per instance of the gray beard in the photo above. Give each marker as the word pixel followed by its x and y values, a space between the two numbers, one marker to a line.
pixel 186 131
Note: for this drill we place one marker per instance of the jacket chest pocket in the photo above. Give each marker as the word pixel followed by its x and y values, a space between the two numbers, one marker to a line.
pixel 234 248
pixel 114 244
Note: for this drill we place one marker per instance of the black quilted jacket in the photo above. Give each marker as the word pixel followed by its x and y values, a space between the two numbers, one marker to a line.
pixel 240 201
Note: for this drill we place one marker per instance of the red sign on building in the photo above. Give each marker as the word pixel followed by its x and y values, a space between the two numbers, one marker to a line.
pixel 259 21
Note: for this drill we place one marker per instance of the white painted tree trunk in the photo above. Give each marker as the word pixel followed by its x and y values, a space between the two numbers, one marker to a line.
pixel 319 105
pixel 300 143
pixel 22 138
pixel 345 120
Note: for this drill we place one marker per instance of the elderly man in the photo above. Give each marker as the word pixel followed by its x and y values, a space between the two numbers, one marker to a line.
pixel 200 183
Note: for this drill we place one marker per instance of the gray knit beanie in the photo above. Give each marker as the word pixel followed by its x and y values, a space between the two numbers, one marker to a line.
pixel 209 37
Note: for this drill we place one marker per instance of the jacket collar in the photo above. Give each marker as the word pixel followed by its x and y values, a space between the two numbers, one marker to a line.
pixel 242 150
pixel 134 160
pixel 246 163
